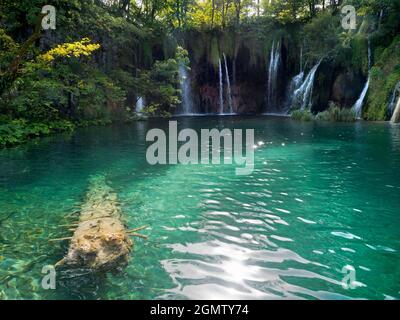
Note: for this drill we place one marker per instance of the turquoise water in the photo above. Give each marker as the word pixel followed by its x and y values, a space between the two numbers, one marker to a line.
pixel 322 196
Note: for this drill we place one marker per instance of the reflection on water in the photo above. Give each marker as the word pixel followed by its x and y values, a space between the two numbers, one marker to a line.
pixel 322 197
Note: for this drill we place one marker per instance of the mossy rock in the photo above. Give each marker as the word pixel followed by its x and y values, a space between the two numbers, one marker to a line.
pixel 384 77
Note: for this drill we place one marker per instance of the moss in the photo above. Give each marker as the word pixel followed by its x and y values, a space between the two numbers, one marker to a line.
pixel 228 43
pixel 336 114
pixel 384 76
pixel 359 56
pixel 302 115
pixel 256 38
pixel 213 52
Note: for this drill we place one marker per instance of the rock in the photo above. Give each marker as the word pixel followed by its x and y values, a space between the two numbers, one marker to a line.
pixel 247 98
pixel 346 89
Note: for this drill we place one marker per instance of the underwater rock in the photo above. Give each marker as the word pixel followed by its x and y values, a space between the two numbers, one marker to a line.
pixel 100 241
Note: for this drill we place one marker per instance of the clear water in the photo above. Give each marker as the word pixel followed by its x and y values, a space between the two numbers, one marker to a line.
pixel 322 196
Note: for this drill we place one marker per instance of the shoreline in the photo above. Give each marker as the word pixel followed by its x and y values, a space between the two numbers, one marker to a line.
pixel 72 127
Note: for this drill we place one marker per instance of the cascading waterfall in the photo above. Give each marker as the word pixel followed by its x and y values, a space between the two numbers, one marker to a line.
pixel 221 88
pixel 187 101
pixel 228 83
pixel 273 74
pixel 360 102
pixel 293 87
pixel 139 105
pixel 294 84
pixel 303 95
pixel 396 113
pixel 393 99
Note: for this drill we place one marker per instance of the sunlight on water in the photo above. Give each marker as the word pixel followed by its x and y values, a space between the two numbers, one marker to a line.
pixel 321 197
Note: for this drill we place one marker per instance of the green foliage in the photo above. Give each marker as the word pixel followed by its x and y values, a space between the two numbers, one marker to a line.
pixel 302 115
pixel 160 87
pixel 182 56
pixel 287 11
pixel 20 130
pixel 255 37
pixel 359 54
pixel 333 114
pixel 213 52
pixel 66 89
pixel 8 48
pixel 321 36
pixel 36 99
pixel 336 114
pixel 384 76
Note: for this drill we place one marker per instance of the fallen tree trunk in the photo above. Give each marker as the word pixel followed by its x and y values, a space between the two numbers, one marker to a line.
pixel 100 241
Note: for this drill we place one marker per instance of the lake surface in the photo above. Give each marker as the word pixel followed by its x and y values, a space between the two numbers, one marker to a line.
pixel 322 197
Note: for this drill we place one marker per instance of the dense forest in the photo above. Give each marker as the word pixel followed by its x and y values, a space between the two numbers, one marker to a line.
pixel 105 56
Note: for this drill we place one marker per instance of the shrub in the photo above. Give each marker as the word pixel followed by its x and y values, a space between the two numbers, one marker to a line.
pixel 336 114
pixel 160 85
pixel 302 115
pixel 384 77
pixel 20 130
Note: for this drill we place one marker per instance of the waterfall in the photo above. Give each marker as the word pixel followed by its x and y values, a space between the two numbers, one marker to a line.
pixel 221 88
pixel 187 101
pixel 303 95
pixel 139 105
pixel 228 83
pixel 396 113
pixel 293 87
pixel 360 102
pixel 273 74
pixel 393 99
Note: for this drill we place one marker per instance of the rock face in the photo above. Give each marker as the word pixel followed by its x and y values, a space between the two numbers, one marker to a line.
pixel 346 89
pixel 245 98
pixel 100 241
pixel 396 113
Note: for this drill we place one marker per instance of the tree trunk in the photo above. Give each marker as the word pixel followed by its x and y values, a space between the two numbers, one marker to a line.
pixel 213 13
pixel 25 47
pixel 100 242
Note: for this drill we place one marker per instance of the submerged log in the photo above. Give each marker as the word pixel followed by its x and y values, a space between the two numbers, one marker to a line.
pixel 100 241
